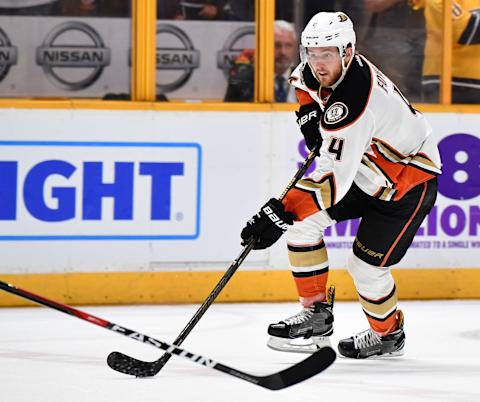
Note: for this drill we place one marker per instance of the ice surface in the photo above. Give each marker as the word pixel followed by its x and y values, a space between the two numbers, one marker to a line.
pixel 47 356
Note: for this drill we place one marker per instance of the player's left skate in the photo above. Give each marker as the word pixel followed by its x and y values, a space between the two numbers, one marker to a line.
pixel 307 331
pixel 370 344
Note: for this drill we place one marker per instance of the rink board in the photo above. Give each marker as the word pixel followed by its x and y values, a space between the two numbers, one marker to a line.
pixel 245 286
pixel 146 206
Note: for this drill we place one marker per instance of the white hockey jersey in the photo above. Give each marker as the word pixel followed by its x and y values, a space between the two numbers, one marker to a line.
pixel 371 136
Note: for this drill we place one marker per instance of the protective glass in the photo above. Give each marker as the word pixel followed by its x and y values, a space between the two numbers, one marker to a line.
pixel 205 50
pixel 65 48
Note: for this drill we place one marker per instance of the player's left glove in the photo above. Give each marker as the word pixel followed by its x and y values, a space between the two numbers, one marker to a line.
pixel 268 225
pixel 308 119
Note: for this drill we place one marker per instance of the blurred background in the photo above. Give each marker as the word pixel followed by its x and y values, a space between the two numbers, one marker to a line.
pixel 205 50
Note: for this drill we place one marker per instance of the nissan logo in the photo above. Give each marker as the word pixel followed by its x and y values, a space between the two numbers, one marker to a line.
pixel 229 52
pixel 8 54
pixel 176 60
pixel 73 55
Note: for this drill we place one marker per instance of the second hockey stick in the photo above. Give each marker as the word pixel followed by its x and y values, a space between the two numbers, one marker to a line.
pixel 294 374
pixel 129 365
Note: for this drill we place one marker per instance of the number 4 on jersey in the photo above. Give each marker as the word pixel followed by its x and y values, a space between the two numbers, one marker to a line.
pixel 336 147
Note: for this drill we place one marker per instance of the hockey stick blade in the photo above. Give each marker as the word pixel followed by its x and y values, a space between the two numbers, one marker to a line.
pixel 139 368
pixel 131 366
pixel 298 372
pixel 305 369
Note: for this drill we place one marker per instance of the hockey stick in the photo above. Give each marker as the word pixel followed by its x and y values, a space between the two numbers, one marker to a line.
pixel 129 365
pixel 294 374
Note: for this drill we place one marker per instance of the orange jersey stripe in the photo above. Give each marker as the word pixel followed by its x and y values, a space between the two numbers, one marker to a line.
pixel 404 177
pixel 301 203
pixel 302 199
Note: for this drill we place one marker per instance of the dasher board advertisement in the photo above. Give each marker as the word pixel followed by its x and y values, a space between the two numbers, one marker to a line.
pixel 86 190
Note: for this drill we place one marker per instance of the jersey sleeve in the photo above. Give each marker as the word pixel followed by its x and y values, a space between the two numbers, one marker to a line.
pixel 340 157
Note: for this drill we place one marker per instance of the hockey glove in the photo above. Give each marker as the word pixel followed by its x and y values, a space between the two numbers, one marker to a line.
pixel 308 119
pixel 268 225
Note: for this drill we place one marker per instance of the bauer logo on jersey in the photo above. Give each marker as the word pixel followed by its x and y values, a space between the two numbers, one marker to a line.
pixel 335 113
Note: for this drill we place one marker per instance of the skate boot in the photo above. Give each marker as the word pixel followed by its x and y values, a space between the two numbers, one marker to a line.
pixel 370 344
pixel 307 331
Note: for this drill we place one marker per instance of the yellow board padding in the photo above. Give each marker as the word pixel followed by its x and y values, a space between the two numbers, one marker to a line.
pixel 204 105
pixel 245 286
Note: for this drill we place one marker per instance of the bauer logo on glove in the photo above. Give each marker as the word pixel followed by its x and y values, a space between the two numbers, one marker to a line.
pixel 307 117
pixel 274 218
pixel 268 225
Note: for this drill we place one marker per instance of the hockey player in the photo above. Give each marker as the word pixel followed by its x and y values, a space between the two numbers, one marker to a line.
pixel 378 162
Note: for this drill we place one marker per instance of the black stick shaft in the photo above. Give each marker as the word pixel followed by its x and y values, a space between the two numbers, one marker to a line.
pixel 158 364
pixel 307 368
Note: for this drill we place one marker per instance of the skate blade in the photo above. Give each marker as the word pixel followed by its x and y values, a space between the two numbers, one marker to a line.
pixel 386 355
pixel 397 353
pixel 400 352
pixel 299 345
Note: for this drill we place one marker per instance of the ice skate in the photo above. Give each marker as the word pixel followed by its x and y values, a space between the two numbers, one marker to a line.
pixel 369 344
pixel 307 331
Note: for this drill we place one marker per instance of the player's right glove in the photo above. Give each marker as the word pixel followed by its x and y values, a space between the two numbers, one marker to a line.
pixel 308 119
pixel 268 225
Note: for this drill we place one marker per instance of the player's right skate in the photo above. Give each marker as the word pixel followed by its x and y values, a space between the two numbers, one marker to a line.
pixel 307 331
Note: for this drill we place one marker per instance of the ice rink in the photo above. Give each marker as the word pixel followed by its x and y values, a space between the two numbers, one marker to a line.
pixel 47 356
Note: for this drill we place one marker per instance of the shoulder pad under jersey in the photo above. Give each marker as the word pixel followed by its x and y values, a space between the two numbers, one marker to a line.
pixel 350 99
